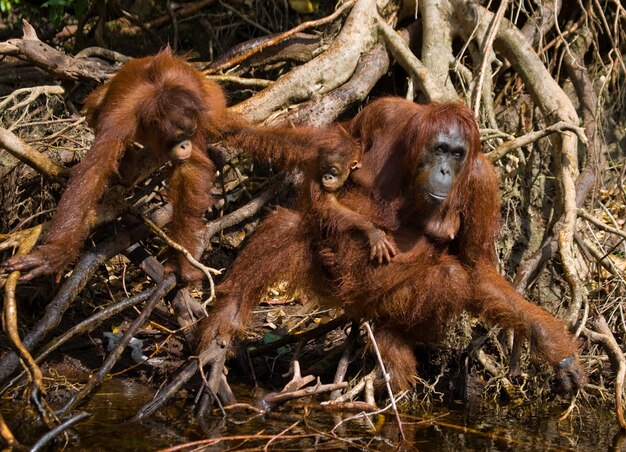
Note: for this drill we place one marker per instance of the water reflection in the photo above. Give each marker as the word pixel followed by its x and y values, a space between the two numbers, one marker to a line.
pixel 481 427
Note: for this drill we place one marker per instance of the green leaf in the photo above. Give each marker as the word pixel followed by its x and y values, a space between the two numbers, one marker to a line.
pixel 63 3
pixel 270 337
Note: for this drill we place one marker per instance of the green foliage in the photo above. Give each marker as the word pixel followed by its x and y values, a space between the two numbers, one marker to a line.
pixel 6 5
pixel 58 8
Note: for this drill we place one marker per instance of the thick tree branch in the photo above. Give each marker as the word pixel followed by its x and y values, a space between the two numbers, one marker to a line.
pixel 322 74
pixel 51 60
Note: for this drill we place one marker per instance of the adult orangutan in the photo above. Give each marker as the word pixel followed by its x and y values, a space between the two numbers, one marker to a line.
pixel 424 179
pixel 174 112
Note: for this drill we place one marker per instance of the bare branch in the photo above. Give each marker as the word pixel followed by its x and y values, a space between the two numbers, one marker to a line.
pixel 429 85
pixel 531 137
pixel 50 59
pixel 276 39
pixel 26 154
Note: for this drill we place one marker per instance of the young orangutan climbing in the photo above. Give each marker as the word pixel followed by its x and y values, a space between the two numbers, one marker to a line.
pixel 174 112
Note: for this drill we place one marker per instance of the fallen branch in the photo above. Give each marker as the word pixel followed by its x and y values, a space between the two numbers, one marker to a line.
pixel 167 392
pixel 276 398
pixel 51 60
pixel 323 110
pixel 105 54
pixel 361 386
pixel 7 435
pixel 248 210
pixel 31 157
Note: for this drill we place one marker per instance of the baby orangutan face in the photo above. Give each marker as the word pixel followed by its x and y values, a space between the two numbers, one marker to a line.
pixel 334 169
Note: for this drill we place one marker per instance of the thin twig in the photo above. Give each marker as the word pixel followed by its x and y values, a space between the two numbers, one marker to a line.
pixel 386 377
pixel 63 130
pixel 208 271
pixel 367 414
pixel 591 219
pixel 282 433
pixel 243 81
pixel 194 445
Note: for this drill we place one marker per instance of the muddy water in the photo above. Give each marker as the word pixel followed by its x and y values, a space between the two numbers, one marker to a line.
pixel 478 427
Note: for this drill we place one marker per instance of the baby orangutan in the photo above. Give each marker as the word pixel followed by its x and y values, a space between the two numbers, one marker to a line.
pixel 338 156
pixel 327 156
